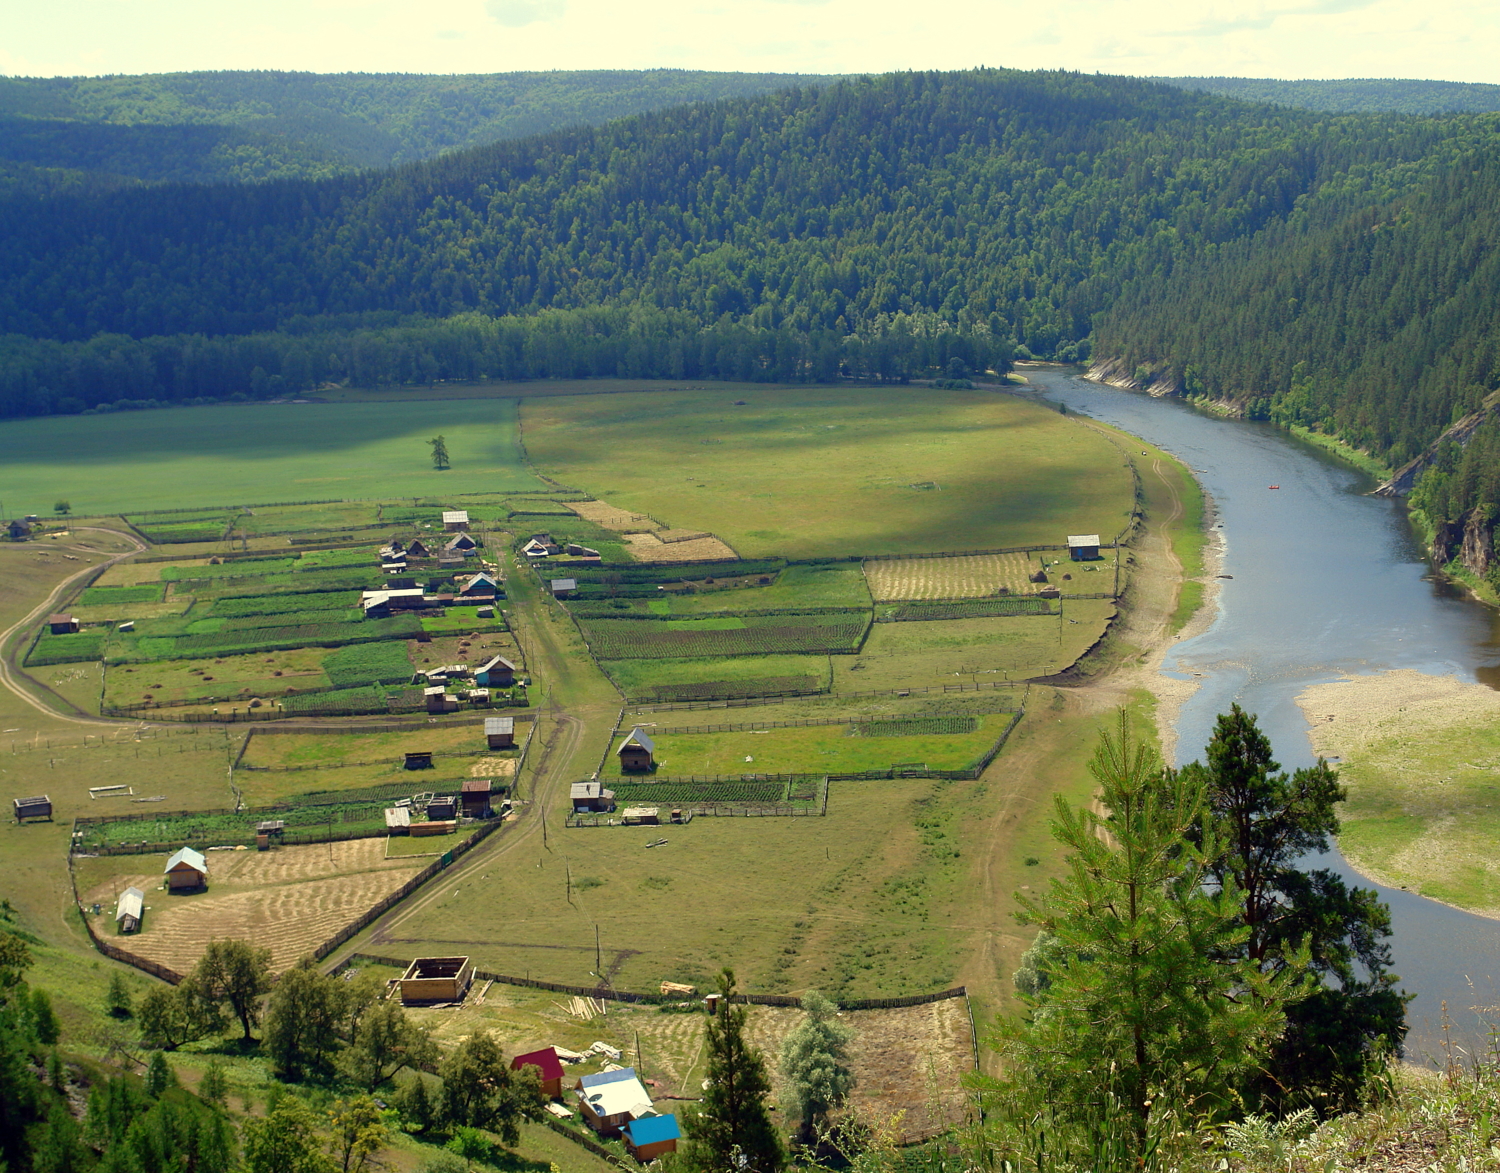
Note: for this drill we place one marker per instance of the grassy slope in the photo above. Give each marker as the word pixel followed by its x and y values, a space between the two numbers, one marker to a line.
pixel 190 457
pixel 818 471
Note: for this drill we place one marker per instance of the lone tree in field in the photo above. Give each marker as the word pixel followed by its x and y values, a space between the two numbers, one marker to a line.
pixel 62 508
pixel 236 974
pixel 439 452
pixel 733 1133
pixel 812 1065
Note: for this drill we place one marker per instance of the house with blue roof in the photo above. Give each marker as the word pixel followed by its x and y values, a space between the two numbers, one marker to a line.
pixel 612 1099
pixel 651 1137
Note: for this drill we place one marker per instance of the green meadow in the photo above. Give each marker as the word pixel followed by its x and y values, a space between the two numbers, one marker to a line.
pixel 188 457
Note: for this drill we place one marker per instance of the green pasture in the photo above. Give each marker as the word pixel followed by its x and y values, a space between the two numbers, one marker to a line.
pixel 1424 810
pixel 675 639
pixel 636 678
pixel 816 471
pixel 819 749
pixel 836 584
pixel 228 455
pixel 330 749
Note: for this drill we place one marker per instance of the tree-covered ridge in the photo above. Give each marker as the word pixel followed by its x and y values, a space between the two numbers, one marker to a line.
pixel 237 126
pixel 1352 95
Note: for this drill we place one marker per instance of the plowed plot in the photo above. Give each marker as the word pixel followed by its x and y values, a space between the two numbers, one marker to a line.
pixel 650 548
pixel 289 900
pixel 603 514
pixel 968 576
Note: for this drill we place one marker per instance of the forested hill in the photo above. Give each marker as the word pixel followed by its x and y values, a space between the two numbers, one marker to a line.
pixel 1353 95
pixel 239 126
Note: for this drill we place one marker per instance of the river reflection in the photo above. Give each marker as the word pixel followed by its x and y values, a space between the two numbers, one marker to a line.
pixel 1325 581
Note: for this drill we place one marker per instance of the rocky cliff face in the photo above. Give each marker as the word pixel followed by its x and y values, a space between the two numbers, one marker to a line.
pixel 1478 550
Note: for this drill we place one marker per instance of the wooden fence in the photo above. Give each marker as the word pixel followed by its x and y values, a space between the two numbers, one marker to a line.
pixel 804 722
pixel 775 698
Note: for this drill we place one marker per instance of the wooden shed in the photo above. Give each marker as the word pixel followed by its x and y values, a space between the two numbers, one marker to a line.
pixel 129 910
pixel 418 759
pixel 563 588
pixel 497 672
pixel 637 752
pixel 455 520
pixel 417 550
pixel 63 625
pixel 651 1137
pixel 500 732
pixel 436 979
pixel 186 871
pixel 641 816
pixel 591 796
pixel 1083 547
pixel 439 700
pixel 397 820
pixel 549 1067
pixel 38 806
pixel 443 806
pixel 475 797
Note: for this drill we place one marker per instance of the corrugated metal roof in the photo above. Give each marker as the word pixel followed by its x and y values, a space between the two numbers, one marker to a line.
pixel 499 725
pixel 455 517
pixel 653 1130
pixel 132 903
pixel 194 859
pixel 637 737
pixel 1083 539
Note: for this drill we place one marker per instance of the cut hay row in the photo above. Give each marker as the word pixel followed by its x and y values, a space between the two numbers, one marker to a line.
pixel 966 576
pixel 650 548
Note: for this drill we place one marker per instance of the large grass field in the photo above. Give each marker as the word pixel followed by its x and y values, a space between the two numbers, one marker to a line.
pixel 814 471
pixel 227 455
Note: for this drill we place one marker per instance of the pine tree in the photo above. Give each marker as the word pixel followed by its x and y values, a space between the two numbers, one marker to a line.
pixel 214 1087
pixel 117 1001
pixel 733 1133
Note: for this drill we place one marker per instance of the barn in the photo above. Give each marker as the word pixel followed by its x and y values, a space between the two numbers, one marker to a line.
pixel 39 806
pixel 651 1137
pixel 130 909
pixel 498 672
pixel 500 732
pixel 637 752
pixel 1083 547
pixel 548 1066
pixel 436 979
pixel 186 871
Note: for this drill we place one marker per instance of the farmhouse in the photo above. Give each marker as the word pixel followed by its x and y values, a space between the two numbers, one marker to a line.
pixel 563 588
pixel 379 604
pixel 637 752
pixel 436 979
pixel 462 544
pixel 129 910
pixel 482 585
pixel 475 797
pixel 37 807
pixel 63 625
pixel 612 1099
pixel 455 520
pixel 1083 547
pixel 548 1066
pixel 591 796
pixel 186 870
pixel 500 732
pixel 651 1137
pixel 498 672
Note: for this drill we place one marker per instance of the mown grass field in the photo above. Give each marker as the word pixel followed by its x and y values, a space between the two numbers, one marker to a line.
pixel 194 457
pixel 817 471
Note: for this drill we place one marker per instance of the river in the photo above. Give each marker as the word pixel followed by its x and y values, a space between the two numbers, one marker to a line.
pixel 1323 581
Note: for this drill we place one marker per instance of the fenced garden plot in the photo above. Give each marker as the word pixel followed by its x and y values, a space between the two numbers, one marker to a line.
pixel 913 726
pixel 378 663
pixel 728 689
pixel 721 574
pixel 167 831
pixel 967 609
pixel 462 620
pixel 150 642
pixel 97 596
pixel 67 649
pixel 661 637
pixel 635 678
pixel 316 599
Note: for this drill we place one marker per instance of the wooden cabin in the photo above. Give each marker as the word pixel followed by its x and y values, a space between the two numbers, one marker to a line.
pixel 455 520
pixel 63 625
pixel 651 1136
pixel 549 1067
pixel 129 910
pixel 436 979
pixel 637 751
pixel 186 871
pixel 461 544
pixel 475 797
pixel 417 550
pixel 481 586
pixel 498 672
pixel 500 732
pixel 38 806
pixel 1083 547
pixel 591 797
pixel 612 1099
pixel 439 700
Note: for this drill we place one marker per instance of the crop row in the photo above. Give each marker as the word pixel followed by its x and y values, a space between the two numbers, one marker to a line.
pixel 733 689
pixel 750 791
pixel 914 726
pixel 98 596
pixel 149 648
pixel 66 649
pixel 971 609
pixel 314 598
pixel 626 573
pixel 624 640
pixel 377 663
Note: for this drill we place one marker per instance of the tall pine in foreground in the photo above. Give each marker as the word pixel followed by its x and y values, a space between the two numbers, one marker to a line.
pixel 733 1132
pixel 1153 1017
pixel 1267 823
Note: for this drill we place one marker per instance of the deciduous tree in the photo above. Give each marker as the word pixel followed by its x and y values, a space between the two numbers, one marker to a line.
pixel 813 1070
pixel 236 974
pixel 359 1132
pixel 439 446
pixel 385 1041
pixel 481 1091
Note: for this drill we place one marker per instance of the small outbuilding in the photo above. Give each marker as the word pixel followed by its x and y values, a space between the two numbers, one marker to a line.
pixel 1083 547
pixel 461 544
pixel 436 979
pixel 442 806
pixel 439 700
pixel 641 816
pixel 129 910
pixel 397 820
pixel 475 797
pixel 186 871
pixel 549 1068
pixel 563 588
pixel 576 550
pixel 591 797
pixel 500 732
pixel 637 751
pixel 455 520
pixel 63 625
pixel 651 1136
pixel 38 806
pixel 417 550
pixel 497 672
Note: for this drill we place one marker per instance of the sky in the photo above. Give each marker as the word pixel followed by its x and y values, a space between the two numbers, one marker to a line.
pixel 1453 40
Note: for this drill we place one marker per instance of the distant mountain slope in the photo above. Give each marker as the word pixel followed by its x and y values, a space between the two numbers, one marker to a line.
pixel 218 127
pixel 1353 95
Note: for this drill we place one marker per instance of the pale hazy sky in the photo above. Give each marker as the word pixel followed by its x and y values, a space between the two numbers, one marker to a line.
pixel 1456 40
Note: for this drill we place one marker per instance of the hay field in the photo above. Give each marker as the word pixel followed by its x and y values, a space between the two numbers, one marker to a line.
pixel 971 576
pixel 824 471
pixel 289 900
pixel 610 517
pixel 650 548
pixel 246 454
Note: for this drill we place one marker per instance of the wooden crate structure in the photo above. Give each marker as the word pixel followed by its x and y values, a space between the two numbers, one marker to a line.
pixel 436 979
pixel 38 806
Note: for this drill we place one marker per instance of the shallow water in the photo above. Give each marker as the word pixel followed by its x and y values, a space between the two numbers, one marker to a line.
pixel 1325 581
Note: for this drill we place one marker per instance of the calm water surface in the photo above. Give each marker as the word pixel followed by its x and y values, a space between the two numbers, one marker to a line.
pixel 1326 581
